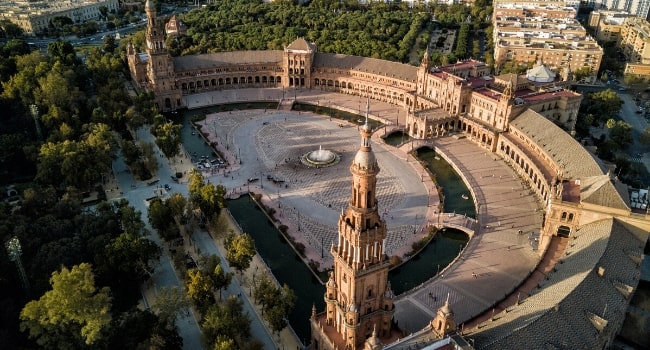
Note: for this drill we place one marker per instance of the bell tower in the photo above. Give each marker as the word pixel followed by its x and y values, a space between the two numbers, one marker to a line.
pixel 160 67
pixel 358 296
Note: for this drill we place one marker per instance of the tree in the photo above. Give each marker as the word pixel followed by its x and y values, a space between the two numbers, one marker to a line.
pixel 9 29
pixel 603 105
pixel 141 329
pixel 129 260
pixel 621 133
pixel 199 288
pixel 228 321
pixel 240 250
pixel 581 73
pixel 168 138
pixel 169 303
pixel 160 218
pixel 644 138
pixel 73 312
pixel 221 279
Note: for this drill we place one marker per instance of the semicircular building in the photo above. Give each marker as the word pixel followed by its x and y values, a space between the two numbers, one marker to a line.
pixel 527 120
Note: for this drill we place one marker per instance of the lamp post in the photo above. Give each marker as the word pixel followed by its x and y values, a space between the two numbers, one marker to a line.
pixel 14 250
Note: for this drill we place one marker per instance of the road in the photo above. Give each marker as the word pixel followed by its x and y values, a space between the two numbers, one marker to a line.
pixel 136 193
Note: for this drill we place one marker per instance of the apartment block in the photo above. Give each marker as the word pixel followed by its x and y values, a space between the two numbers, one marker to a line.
pixel 637 8
pixel 634 41
pixel 528 33
pixel 35 16
pixel 607 24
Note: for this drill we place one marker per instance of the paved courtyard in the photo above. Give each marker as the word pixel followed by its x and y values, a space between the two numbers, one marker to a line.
pixel 497 259
pixel 309 200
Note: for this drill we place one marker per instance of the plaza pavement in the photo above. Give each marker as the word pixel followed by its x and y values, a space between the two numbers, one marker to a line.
pixel 496 260
pixel 311 199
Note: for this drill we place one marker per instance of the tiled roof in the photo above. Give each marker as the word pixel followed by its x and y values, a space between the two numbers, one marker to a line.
pixel 301 44
pixel 562 314
pixel 371 65
pixel 600 190
pixel 566 152
pixel 211 60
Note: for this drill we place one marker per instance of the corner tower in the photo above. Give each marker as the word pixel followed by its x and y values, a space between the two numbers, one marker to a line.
pixel 160 65
pixel 358 296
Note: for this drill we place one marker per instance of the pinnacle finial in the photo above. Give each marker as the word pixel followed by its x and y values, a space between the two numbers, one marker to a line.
pixel 367 108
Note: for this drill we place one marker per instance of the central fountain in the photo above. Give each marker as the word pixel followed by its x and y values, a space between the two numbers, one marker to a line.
pixel 320 158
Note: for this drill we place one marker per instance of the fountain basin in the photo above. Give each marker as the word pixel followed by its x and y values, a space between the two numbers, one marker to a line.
pixel 320 158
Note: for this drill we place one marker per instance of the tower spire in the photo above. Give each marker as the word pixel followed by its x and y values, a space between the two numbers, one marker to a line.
pixel 357 294
pixel 367 109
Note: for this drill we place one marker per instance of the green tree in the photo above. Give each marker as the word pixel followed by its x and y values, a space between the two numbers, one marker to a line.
pixel 240 250
pixel 74 312
pixel 170 303
pixel 221 279
pixel 603 105
pixel 168 138
pixel 10 30
pixel 644 138
pixel 199 288
pixel 621 133
pixel 160 218
pixel 129 260
pixel 228 321
pixel 177 205
pixel 278 313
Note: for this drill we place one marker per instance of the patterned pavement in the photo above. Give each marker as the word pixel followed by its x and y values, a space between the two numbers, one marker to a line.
pixel 312 199
pixel 495 261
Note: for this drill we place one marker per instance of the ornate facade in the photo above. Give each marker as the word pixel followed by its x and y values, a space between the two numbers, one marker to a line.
pixel 519 118
pixel 358 297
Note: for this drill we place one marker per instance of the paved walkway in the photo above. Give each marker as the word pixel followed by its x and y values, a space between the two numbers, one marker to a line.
pixel 200 243
pixel 496 260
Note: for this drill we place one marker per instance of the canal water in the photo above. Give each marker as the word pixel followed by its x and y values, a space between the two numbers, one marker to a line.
pixel 453 188
pixel 194 144
pixel 288 268
pixel 396 138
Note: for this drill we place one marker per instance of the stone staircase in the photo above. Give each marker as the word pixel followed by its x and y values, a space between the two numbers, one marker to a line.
pixel 286 104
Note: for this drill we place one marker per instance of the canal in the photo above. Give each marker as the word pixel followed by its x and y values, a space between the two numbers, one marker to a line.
pixel 288 268
pixel 456 196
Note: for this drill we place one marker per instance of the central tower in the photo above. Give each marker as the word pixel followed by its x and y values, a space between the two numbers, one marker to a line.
pixel 358 296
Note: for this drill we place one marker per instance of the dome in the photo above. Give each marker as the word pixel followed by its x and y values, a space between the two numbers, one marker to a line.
pixel 331 283
pixel 540 73
pixel 149 5
pixel 353 307
pixel 365 159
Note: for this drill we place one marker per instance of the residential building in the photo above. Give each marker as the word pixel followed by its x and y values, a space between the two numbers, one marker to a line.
pixel 607 24
pixel 634 41
pixel 35 16
pixel 526 34
pixel 637 8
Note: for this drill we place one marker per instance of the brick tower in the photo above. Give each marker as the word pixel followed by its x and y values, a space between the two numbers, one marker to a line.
pixel 358 296
pixel 160 65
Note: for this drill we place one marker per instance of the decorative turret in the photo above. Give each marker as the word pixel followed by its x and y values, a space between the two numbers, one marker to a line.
pixel 373 343
pixel 443 323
